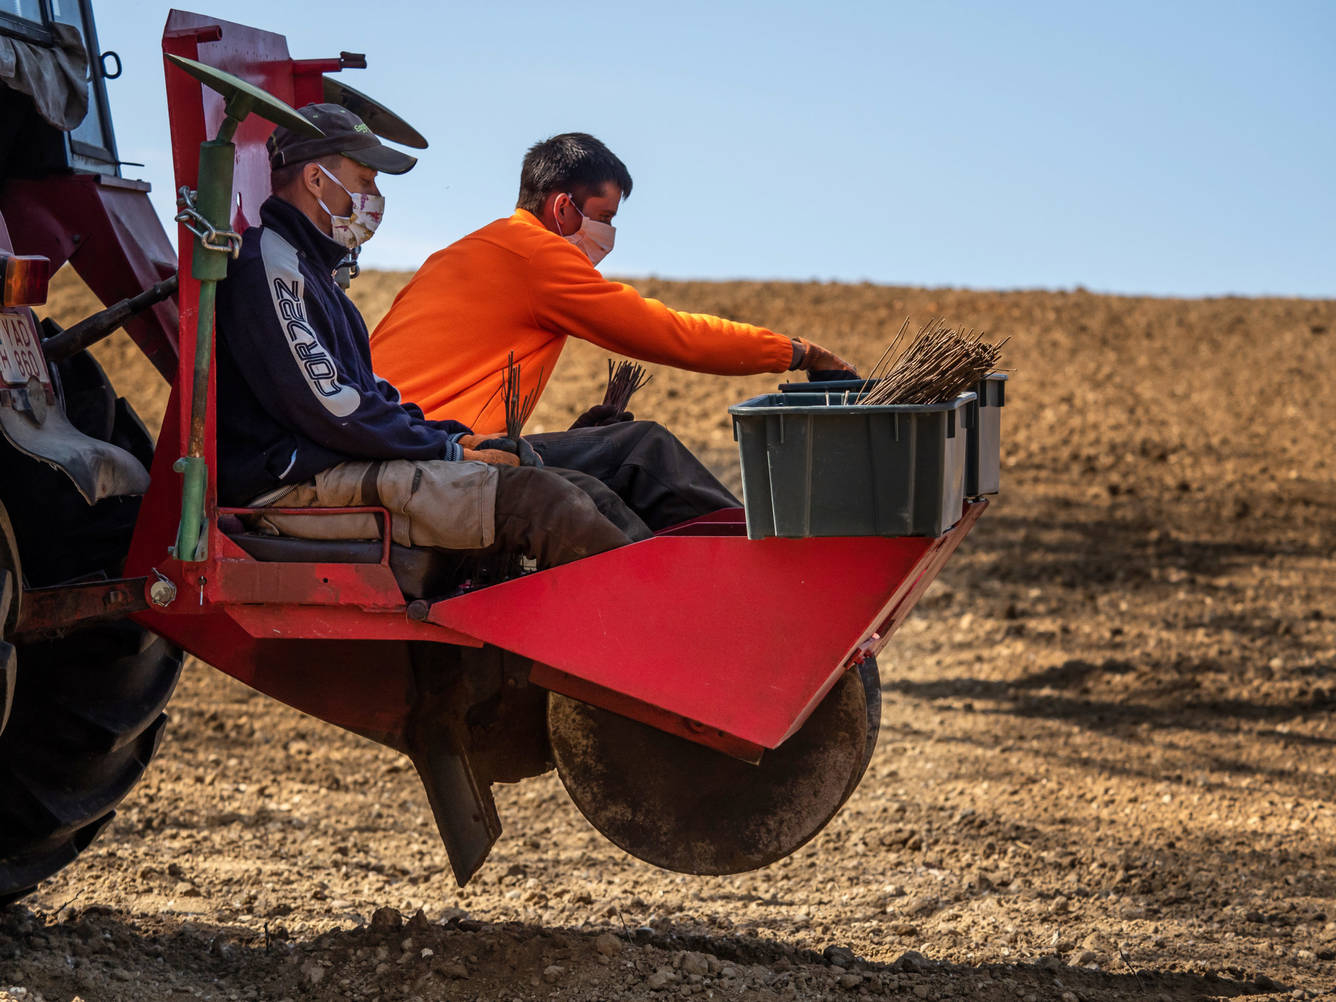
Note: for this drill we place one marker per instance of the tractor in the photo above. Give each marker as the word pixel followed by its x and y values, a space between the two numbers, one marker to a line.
pixel 712 748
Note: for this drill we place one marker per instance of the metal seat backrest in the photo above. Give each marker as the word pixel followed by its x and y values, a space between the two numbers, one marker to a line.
pixel 258 57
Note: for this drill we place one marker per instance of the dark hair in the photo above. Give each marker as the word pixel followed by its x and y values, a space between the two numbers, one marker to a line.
pixel 282 177
pixel 574 162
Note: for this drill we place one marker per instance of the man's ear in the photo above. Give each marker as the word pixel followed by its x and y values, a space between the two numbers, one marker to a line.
pixel 549 213
pixel 313 179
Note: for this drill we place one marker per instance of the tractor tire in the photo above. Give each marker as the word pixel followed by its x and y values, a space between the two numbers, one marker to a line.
pixel 86 709
pixel 86 720
pixel 11 587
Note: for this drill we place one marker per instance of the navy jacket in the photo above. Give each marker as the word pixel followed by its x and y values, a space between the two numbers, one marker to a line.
pixel 296 392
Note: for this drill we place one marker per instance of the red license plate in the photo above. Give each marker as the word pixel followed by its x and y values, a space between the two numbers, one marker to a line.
pixel 20 351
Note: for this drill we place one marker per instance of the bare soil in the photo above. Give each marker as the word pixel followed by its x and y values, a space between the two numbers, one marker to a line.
pixel 1106 758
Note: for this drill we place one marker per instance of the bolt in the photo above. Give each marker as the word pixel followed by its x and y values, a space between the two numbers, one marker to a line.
pixel 114 597
pixel 162 593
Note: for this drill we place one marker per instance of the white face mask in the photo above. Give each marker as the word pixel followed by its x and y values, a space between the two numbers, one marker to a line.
pixel 593 237
pixel 356 229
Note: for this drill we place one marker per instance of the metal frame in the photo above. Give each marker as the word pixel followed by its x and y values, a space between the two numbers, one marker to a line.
pixel 97 81
pixel 21 27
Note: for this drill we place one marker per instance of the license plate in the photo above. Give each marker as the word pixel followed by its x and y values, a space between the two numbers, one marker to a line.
pixel 20 351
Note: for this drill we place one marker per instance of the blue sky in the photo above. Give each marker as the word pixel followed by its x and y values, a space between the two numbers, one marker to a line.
pixel 1164 148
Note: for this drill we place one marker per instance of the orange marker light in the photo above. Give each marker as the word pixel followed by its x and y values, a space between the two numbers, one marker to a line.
pixel 26 278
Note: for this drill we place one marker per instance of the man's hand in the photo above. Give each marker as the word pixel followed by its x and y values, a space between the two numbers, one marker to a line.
pixel 493 457
pixel 508 451
pixel 601 415
pixel 811 357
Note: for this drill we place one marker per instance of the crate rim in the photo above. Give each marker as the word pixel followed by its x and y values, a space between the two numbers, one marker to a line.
pixel 840 385
pixel 752 407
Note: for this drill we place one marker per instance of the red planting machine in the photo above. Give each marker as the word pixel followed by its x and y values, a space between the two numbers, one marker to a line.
pixel 695 720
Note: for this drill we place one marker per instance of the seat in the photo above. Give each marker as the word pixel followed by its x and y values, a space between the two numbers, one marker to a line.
pixel 421 572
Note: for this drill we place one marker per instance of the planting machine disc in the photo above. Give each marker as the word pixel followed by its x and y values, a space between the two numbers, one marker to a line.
pixel 243 98
pixel 684 807
pixel 378 118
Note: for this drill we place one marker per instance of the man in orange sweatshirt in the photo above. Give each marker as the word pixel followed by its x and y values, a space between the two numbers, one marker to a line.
pixel 525 284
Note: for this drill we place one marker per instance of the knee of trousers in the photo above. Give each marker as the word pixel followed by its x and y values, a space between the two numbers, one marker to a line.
pixel 543 498
pixel 644 436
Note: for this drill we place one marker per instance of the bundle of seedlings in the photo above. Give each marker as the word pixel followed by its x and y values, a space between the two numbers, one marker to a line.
pixel 518 408
pixel 623 380
pixel 934 366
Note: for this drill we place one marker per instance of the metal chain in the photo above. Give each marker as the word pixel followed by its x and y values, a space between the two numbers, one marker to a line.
pixel 226 241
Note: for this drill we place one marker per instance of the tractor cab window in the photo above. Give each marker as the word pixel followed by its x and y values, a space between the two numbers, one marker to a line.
pixel 29 10
pixel 92 146
pixel 24 19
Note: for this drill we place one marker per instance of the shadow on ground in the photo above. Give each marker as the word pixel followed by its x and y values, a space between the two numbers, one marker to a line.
pixel 100 954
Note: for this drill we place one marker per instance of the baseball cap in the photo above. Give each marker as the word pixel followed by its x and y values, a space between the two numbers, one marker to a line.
pixel 344 133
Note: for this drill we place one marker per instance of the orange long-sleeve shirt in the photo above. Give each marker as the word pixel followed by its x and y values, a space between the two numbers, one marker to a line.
pixel 516 286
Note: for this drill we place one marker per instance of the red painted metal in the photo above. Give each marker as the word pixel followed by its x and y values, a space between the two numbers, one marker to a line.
pixel 340 623
pixel 259 57
pixel 365 586
pixel 740 636
pixel 107 229
pixel 350 677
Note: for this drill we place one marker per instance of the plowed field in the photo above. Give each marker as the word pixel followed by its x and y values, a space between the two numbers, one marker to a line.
pixel 1106 759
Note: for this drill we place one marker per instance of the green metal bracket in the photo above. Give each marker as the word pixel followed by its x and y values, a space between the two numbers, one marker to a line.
pixel 206 215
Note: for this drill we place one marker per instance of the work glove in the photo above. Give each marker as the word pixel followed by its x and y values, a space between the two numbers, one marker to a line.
pixel 830 375
pixel 492 457
pixel 820 363
pixel 600 416
pixel 511 452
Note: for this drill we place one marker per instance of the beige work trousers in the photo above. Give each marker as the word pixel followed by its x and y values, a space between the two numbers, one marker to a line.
pixel 451 505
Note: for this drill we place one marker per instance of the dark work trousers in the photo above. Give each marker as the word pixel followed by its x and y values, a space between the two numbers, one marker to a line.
pixel 547 518
pixel 644 464
pixel 609 505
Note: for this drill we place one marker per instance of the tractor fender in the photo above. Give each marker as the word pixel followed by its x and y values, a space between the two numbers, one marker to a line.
pixel 42 431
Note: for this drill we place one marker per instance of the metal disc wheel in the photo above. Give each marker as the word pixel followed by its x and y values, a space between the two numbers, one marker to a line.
pixel 684 807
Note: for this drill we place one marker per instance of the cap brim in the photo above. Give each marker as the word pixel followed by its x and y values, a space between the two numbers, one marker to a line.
pixel 382 158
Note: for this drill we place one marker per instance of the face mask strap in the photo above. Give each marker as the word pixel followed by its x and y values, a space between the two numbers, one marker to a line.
pixel 321 202
pixel 335 180
pixel 583 235
pixel 557 220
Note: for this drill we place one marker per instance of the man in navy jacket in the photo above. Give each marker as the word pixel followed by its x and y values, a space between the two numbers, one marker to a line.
pixel 303 421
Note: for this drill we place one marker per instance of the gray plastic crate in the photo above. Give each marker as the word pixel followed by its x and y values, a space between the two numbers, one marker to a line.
pixel 984 436
pixel 983 424
pixel 810 468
